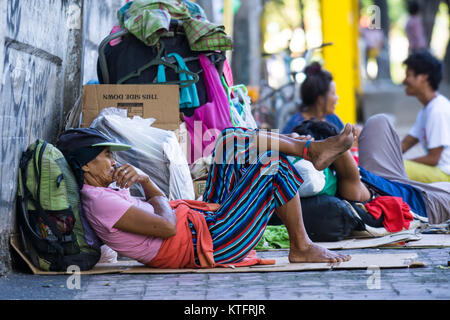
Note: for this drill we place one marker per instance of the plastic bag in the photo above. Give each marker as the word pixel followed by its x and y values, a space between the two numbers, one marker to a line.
pixel 242 110
pixel 200 168
pixel 208 120
pixel 313 180
pixel 108 255
pixel 155 151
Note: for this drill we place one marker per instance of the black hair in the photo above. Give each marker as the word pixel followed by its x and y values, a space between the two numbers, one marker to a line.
pixel 80 158
pixel 423 62
pixel 316 84
pixel 413 7
pixel 317 129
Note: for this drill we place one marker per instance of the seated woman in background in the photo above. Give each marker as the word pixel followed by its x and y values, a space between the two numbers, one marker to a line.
pixel 319 99
pixel 250 179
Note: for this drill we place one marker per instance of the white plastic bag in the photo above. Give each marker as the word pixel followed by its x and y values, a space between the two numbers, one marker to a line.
pixel 313 179
pixel 241 109
pixel 155 151
pixel 200 168
pixel 108 255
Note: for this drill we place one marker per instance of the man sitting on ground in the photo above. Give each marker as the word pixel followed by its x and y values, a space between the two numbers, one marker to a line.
pixel 432 126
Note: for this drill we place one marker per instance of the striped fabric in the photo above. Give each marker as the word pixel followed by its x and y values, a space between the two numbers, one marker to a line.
pixel 249 187
pixel 148 20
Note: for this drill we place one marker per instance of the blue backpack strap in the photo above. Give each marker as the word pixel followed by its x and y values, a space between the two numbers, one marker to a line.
pixel 161 75
pixel 188 95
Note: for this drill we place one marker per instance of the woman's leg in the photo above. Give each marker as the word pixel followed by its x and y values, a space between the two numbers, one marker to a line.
pixel 350 186
pixel 302 249
pixel 238 225
pixel 321 153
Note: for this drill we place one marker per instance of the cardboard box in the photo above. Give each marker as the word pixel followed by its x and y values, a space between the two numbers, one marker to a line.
pixel 199 188
pixel 159 101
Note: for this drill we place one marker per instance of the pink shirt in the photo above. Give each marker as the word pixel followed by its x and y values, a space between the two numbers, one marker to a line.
pixel 104 207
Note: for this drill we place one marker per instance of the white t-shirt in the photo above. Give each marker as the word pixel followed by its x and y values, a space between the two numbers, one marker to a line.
pixel 432 128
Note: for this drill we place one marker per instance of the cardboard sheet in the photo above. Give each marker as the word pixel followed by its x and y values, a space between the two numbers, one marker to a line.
pixel 426 241
pixel 358 261
pixel 372 242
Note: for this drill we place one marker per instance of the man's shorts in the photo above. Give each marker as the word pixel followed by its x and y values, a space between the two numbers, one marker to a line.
pixel 424 173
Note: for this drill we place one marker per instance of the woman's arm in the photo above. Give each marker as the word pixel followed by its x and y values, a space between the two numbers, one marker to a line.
pixel 139 221
pixel 162 223
pixel 127 175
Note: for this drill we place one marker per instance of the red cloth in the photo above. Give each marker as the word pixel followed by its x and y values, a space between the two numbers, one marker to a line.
pixel 178 251
pixel 396 212
pixel 355 154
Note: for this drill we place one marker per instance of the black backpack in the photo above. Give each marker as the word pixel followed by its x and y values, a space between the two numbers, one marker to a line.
pixel 328 218
pixel 54 232
pixel 115 63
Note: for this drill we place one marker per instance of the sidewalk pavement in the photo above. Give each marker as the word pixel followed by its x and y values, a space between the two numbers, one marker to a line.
pixel 425 283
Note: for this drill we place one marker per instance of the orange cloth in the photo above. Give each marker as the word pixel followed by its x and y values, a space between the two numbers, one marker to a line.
pixel 396 212
pixel 178 251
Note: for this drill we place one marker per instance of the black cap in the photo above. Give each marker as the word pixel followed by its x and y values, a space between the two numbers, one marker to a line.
pixel 73 139
pixel 81 145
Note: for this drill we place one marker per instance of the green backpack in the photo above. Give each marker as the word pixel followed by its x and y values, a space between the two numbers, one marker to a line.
pixel 54 232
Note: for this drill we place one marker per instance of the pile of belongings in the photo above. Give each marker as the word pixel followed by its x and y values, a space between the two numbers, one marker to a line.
pixel 172 42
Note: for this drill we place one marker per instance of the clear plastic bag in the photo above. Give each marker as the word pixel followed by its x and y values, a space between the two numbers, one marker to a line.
pixel 200 168
pixel 241 109
pixel 108 255
pixel 155 151
pixel 313 180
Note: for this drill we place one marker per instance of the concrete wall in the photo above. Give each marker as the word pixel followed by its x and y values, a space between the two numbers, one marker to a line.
pixel 47 50
pixel 99 18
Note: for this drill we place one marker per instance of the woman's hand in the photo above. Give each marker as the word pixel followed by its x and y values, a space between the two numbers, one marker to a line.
pixel 126 175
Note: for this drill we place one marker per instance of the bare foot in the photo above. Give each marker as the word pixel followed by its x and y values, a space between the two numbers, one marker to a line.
pixel 315 253
pixel 323 153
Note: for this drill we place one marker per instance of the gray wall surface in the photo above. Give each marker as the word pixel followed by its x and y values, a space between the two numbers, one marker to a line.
pixel 48 49
pixel 99 18
pixel 246 59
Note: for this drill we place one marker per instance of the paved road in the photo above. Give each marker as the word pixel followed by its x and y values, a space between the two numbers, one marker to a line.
pixel 427 283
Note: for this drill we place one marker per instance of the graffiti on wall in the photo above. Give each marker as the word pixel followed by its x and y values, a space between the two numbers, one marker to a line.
pixel 30 92
pixel 27 113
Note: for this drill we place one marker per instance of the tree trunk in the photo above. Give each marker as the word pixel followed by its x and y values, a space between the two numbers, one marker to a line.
pixel 246 62
pixel 447 55
pixel 428 9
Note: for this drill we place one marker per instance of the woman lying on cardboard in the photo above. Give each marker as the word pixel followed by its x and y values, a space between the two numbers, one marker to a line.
pixel 239 200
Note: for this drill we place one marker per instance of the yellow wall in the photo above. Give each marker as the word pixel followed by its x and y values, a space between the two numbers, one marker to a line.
pixel 340 25
pixel 228 20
